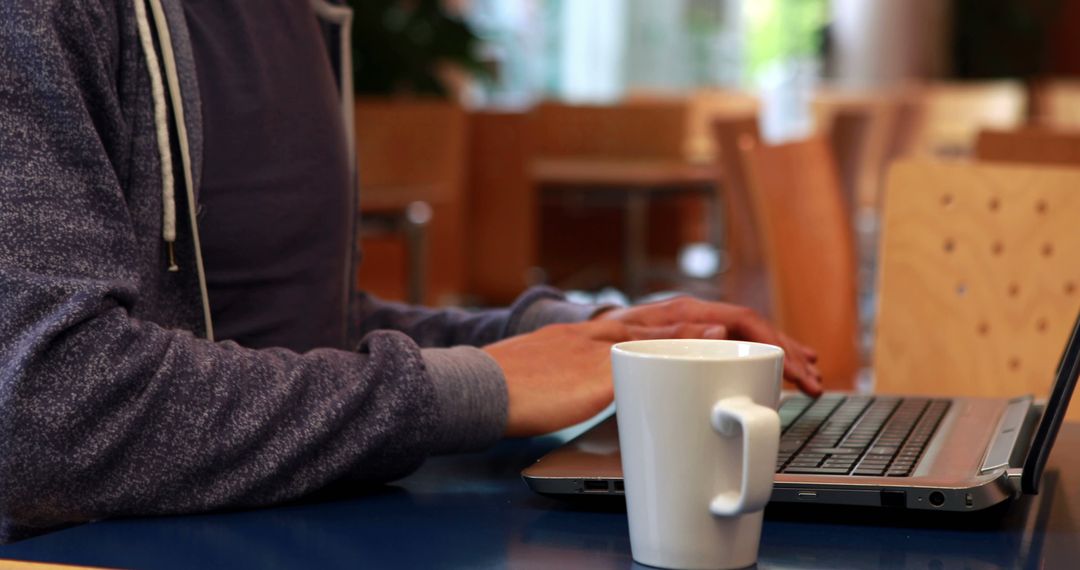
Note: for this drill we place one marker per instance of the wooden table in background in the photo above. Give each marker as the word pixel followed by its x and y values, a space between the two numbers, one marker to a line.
pixel 632 184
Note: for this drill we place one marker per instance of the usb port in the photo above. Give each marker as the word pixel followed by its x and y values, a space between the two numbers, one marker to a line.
pixel 620 487
pixel 595 486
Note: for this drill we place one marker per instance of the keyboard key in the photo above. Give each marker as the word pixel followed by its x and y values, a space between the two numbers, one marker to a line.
pixel 878 466
pixel 800 463
pixel 876 460
pixel 824 440
pixel 845 465
pixel 791 409
pixel 790 445
pixel 817 470
pixel 882 461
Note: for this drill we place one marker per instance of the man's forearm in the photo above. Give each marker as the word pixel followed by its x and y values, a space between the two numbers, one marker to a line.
pixel 429 327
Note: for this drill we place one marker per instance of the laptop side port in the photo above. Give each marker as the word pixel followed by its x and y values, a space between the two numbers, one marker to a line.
pixel 594 486
pixel 620 487
pixel 895 499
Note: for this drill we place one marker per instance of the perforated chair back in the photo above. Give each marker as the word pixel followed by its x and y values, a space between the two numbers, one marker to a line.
pixel 980 278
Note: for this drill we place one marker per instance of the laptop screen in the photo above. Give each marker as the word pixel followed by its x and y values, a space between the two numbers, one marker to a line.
pixel 1067 372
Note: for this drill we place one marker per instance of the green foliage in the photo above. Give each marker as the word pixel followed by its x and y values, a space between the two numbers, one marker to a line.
pixel 398 46
pixel 778 30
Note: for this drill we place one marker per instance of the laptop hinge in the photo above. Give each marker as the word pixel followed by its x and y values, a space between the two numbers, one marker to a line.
pixel 1008 430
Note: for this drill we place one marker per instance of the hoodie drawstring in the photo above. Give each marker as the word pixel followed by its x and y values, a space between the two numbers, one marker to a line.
pixel 161 124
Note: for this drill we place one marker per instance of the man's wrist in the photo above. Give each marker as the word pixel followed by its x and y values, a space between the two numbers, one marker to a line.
pixel 553 311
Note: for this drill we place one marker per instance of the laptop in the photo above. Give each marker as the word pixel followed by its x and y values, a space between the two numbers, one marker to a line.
pixel 912 452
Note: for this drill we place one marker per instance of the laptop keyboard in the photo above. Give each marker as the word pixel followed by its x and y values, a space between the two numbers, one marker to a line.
pixel 856 435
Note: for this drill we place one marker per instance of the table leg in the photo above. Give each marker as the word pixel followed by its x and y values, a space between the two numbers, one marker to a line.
pixel 635 243
pixel 715 222
pixel 416 219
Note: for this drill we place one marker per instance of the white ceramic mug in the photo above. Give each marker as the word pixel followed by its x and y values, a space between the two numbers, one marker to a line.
pixel 698 432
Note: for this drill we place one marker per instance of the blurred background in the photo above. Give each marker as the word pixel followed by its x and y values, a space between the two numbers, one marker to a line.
pixel 737 150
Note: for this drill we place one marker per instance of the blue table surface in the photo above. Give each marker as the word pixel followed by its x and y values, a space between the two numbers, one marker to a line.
pixel 473 511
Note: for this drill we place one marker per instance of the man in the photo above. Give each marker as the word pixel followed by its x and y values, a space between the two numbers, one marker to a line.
pixel 172 169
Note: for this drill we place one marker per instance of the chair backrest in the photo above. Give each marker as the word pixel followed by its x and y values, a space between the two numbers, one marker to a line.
pixel 1031 145
pixel 904 119
pixel 654 129
pixel 706 107
pixel 745 281
pixel 849 133
pixel 867 129
pixel 410 150
pixel 980 280
pixel 809 250
pixel 411 144
pixel 502 210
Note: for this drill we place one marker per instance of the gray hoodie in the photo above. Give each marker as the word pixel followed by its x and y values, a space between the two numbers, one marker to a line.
pixel 114 398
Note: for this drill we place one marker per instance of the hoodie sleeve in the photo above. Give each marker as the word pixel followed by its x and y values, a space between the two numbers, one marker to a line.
pixel 536 308
pixel 103 414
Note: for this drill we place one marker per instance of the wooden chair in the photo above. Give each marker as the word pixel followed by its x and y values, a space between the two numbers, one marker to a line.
pixel 865 129
pixel 745 281
pixel 412 152
pixel 904 117
pixel 502 218
pixel 859 127
pixel 708 106
pixel 1031 145
pixel 849 133
pixel 979 280
pixel 809 251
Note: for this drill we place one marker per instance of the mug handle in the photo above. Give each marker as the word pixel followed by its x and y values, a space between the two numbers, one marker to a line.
pixel 761 437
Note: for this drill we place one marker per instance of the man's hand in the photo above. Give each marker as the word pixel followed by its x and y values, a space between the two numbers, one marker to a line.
pixel 561 374
pixel 739 323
